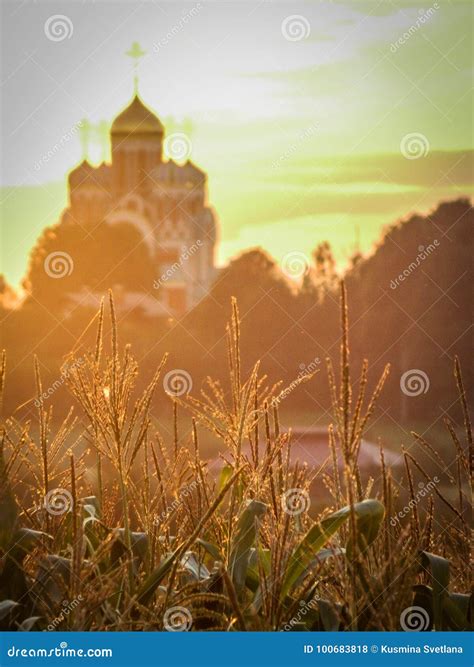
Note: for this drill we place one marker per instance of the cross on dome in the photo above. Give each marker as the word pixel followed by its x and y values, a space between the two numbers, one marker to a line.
pixel 136 118
pixel 135 53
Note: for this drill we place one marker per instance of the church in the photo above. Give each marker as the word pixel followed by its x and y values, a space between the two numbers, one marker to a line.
pixel 165 201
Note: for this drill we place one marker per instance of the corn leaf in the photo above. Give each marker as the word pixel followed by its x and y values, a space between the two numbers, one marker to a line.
pixel 243 541
pixel 439 568
pixel 149 586
pixel 369 514
pixel 8 507
pixel 6 607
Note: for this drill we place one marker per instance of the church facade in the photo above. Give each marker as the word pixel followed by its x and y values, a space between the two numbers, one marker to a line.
pixel 164 200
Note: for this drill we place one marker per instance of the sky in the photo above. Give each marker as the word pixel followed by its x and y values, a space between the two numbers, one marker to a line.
pixel 314 120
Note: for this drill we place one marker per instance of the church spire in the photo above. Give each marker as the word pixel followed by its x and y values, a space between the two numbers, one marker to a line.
pixel 135 53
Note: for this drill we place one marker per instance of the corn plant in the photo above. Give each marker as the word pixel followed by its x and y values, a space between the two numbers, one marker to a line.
pixel 151 538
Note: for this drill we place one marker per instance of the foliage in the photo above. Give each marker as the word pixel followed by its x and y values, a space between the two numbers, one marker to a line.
pixel 150 527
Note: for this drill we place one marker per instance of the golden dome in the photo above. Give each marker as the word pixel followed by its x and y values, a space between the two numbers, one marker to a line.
pixel 137 118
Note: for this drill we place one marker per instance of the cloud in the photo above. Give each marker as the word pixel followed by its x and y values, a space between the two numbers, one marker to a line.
pixel 321 37
pixel 374 8
pixel 439 168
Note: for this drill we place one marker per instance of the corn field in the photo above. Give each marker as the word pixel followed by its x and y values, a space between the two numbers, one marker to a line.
pixel 133 532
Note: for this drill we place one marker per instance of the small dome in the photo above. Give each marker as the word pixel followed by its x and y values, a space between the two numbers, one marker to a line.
pixel 137 118
pixel 80 173
pixel 86 174
pixel 193 173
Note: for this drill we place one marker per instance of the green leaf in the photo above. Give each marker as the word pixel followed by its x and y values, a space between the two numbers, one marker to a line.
pixel 226 473
pixel 243 540
pixel 53 578
pixel 91 506
pixel 440 581
pixel 257 556
pixel 7 606
pixel 198 570
pixel 456 611
pixel 8 506
pixel 149 586
pixel 323 555
pixel 369 515
pixel 329 615
pixel 211 548
pixel 25 540
pixel 423 597
pixel 262 556
pixel 138 542
pixel 28 623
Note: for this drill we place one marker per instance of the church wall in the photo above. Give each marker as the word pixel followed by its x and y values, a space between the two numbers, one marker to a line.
pixel 170 200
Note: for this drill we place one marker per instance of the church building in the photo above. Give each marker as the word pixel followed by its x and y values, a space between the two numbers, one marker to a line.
pixel 164 200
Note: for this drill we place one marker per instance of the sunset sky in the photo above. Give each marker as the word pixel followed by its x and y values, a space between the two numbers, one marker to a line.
pixel 304 139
